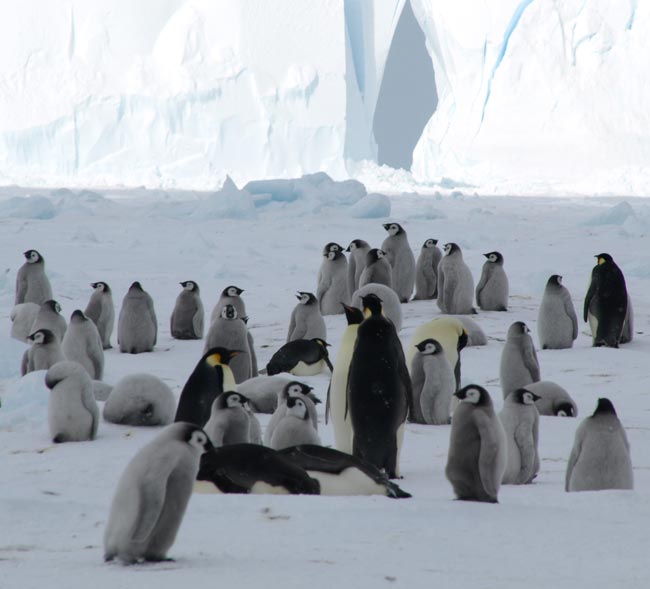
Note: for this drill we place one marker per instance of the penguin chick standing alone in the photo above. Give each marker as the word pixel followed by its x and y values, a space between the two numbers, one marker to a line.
pixel 229 331
pixel 519 364
pixel 606 303
pixel 358 249
pixel 557 323
pixel 81 343
pixel 44 352
pixel 49 317
pixel 137 326
pixel 455 283
pixel 426 271
pixel 477 447
pixel 187 320
pixel 401 258
pixel 332 280
pixel 32 284
pixel 520 420
pixel 600 458
pixel 492 288
pixel 100 309
pixel 306 321
pixel 229 422
pixel 377 270
pixel 295 427
pixel 434 384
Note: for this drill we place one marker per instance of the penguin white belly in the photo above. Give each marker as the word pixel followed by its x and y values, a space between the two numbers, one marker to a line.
pixel 262 488
pixel 593 324
pixel 400 441
pixel 206 488
pixel 303 369
pixel 338 393
pixel 229 383
pixel 350 481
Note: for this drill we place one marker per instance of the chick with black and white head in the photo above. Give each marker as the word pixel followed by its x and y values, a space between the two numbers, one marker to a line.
pixel 402 261
pixel 229 422
pixel 519 364
pixel 426 271
pixel 187 319
pixel 49 317
pixel 45 351
pixel 377 270
pixel 455 283
pixel 520 420
pixel 101 311
pixel 231 295
pixel 297 389
pixel 137 325
pixel 229 331
pixel 295 427
pixel 82 343
pixel 553 400
pixel 302 357
pixel 557 322
pixel 32 284
pixel 306 321
pixel 492 288
pixel 332 280
pixel 358 249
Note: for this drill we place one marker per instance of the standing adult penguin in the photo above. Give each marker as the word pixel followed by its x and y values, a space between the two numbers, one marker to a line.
pixel 100 309
pixel 401 258
pixel 332 287
pixel 600 458
pixel 187 320
pixel 32 284
pixel 229 422
pixel 557 322
pixel 492 288
pixel 426 271
pixel 301 357
pixel 82 343
pixel 379 390
pixel 520 420
pixel 519 364
pixel 358 249
pixel 229 331
pixel 306 322
pixel 455 283
pixel 137 326
pixel 606 303
pixel 295 427
pixel 49 317
pixel 45 351
pixel 292 389
pixel 377 270
pixel 477 447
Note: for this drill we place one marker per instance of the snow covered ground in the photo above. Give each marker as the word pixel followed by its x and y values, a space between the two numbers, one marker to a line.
pixel 54 500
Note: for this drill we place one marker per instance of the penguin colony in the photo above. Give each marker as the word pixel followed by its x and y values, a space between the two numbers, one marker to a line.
pixel 215 444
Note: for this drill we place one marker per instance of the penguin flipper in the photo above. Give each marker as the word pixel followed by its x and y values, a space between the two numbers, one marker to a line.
pixel 21 287
pixel 198 322
pixel 487 453
pixel 526 444
pixel 573 458
pixel 481 285
pixel 24 362
pixel 590 295
pixel 571 313
pixel 151 499
pixel 531 362
pixel 327 403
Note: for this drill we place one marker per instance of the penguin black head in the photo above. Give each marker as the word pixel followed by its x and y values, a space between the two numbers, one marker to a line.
pixel 296 406
pixel 353 315
pixel 518 328
pixel 393 228
pixel 429 243
pixel 42 336
pixel 193 435
pixel 604 259
pixel 52 305
pixel 306 298
pixel 373 255
pixel 474 394
pixel 355 244
pixel 429 347
pixel 78 316
pixel 371 304
pixel 218 356
pixel 190 286
pixel 231 291
pixel 230 399
pixel 451 248
pixel 33 257
pixel 555 280
pixel 295 388
pixel 564 410
pixel 604 407
pixel 494 257
pixel 332 251
pixel 524 397
pixel 136 286
pixel 229 312
pixel 101 286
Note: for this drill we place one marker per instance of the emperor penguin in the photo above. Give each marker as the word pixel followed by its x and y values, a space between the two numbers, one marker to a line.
pixel 552 399
pixel 231 295
pixel 49 317
pixel 520 420
pixel 477 447
pixel 306 322
pixel 401 258
pixel 455 283
pixel 101 310
pixel 229 331
pixel 426 271
pixel 140 399
pixel 152 495
pixel 628 326
pixel 32 284
pixel 45 352
pixel 600 458
pixel 211 377
pixel 229 422
pixel 379 391
pixel 377 269
pixel 434 383
pixel 22 318
pixel 336 408
pixel 332 287
pixel 293 389
pixel 137 325
pixel 82 343
pixel 519 364
pixel 295 427
pixel 492 288
pixel 557 322
pixel 301 357
pixel 390 305
pixel 358 249
pixel 187 320
pixel 72 412
pixel 605 305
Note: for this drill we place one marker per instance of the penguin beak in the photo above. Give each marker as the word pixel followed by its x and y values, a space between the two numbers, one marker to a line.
pixel 458 395
pixel 347 249
pixel 386 226
pixel 298 296
pixel 487 255
pixel 535 397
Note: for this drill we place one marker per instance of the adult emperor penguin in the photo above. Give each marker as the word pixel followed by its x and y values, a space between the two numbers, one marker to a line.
pixel 82 343
pixel 379 390
pixel 152 495
pixel 292 389
pixel 434 383
pixel 339 473
pixel 519 364
pixel 552 399
pixel 72 412
pixel 306 322
pixel 426 271
pixel 210 377
pixel 455 283
pixel 332 287
pixel 49 317
pixel 390 305
pixel 358 249
pixel 137 326
pixel 600 458
pixel 22 318
pixel 401 258
pixel 229 421
pixel 32 284
pixel 45 352
pixel 187 320
pixel 557 322
pixel 377 270
pixel 229 331
pixel 477 447
pixel 231 295
pixel 295 427
pixel 627 335
pixel 520 420
pixel 301 357
pixel 336 407
pixel 492 288
pixel 101 310
pixel 606 303
pixel 140 399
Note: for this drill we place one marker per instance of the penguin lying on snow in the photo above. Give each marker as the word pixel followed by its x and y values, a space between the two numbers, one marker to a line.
pixel 301 357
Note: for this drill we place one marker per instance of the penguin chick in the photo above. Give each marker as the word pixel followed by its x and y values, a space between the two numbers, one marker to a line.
pixel 600 458
pixel 402 261
pixel 72 412
pixel 140 399
pixel 231 295
pixel 434 384
pixel 49 317
pixel 152 495
pixel 377 270
pixel 553 399
pixel 519 364
pixel 426 271
pixel 22 318
pixel 492 288
pixel 137 325
pixel 229 422
pixel 302 357
pixel 557 322
pixel 477 447
pixel 32 284
pixel 295 427
pixel 262 392
pixel 475 335
pixel 82 343
pixel 187 320
pixel 45 352
pixel 230 332
pixel 332 281
pixel 520 420
pixel 455 283
pixel 358 249
pixel 306 322
pixel 101 310
pixel 292 389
